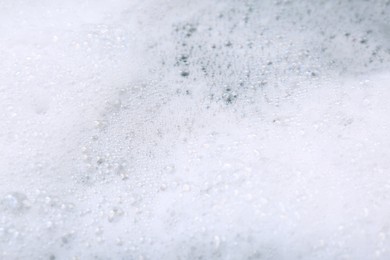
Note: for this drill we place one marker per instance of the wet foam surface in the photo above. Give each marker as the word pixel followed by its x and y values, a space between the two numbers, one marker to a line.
pixel 194 129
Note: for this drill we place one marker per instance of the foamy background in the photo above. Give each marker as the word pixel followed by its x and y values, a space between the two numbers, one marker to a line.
pixel 194 129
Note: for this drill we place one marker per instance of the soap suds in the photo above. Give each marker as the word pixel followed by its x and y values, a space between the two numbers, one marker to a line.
pixel 194 129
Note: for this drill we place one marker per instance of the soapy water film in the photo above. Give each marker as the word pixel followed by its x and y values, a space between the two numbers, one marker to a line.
pixel 175 129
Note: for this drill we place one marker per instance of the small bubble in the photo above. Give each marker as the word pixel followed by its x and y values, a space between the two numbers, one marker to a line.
pixel 163 187
pixel 169 169
pixel 16 202
pixel 186 188
pixel 119 242
pixel 185 74
pixel 115 215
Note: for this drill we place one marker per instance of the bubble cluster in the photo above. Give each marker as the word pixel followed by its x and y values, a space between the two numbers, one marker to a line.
pixel 194 129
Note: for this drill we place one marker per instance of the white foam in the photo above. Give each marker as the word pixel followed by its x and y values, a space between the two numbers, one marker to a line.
pixel 194 130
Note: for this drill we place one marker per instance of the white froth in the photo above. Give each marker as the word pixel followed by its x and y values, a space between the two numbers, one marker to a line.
pixel 194 129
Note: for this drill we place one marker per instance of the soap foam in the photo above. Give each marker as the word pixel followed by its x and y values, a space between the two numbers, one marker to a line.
pixel 194 130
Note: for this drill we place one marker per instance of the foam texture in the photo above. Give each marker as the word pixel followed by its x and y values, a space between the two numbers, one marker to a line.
pixel 208 129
